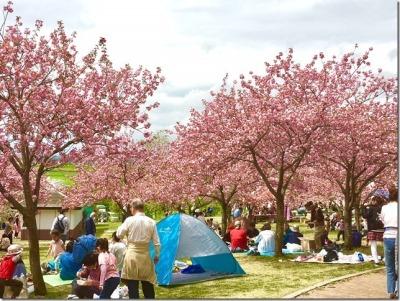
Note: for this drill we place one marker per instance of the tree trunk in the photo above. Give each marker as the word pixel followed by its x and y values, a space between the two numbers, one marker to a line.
pixel 280 221
pixel 357 217
pixel 251 216
pixel 125 212
pixel 347 216
pixel 225 216
pixel 34 255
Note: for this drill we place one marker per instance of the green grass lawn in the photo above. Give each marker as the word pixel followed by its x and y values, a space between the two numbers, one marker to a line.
pixel 265 277
pixel 63 174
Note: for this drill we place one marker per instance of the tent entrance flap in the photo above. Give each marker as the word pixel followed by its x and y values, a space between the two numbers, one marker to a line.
pixel 169 231
pixel 219 263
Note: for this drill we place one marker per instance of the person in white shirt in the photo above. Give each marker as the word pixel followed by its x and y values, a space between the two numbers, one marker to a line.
pixel 118 248
pixel 265 239
pixel 389 219
pixel 61 224
pixel 138 266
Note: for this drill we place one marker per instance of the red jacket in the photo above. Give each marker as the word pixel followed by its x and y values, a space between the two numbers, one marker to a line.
pixel 238 239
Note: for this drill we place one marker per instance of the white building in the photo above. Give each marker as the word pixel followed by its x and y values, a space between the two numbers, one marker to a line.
pixel 47 213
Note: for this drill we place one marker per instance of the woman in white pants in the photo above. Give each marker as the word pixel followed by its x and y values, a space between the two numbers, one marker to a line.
pixel 374 225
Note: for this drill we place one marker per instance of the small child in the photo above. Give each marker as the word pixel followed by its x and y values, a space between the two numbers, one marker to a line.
pixel 118 248
pixel 109 276
pixel 88 277
pixel 56 246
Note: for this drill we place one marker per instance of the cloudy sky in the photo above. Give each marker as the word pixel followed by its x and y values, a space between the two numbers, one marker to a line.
pixel 196 42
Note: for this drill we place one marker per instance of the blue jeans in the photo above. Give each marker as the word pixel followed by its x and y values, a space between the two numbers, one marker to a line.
pixel 109 287
pixel 390 262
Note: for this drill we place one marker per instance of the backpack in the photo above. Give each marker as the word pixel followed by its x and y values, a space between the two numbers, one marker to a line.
pixel 331 256
pixel 7 267
pixel 59 225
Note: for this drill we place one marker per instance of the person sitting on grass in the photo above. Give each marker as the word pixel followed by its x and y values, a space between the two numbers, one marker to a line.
pixel 56 246
pixel 292 236
pixel 252 230
pixel 8 265
pixel 70 246
pixel 356 237
pixel 118 248
pixel 88 278
pixel 265 240
pixel 238 237
pixel 109 277
pixel 227 236
pixel 4 243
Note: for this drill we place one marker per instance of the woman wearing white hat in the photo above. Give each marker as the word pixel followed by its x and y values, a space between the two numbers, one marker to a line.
pixel 7 269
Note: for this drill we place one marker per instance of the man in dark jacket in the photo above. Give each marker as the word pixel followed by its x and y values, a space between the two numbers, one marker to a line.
pixel 90 226
pixel 317 222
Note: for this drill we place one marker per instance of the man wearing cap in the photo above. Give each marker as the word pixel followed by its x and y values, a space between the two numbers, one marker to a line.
pixel 138 265
pixel 238 238
pixel 7 269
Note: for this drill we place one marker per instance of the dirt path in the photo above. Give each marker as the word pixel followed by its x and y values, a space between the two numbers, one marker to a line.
pixel 371 286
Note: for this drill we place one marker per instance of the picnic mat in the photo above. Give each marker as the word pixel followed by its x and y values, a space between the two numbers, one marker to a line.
pixel 284 251
pixel 55 280
pixel 343 259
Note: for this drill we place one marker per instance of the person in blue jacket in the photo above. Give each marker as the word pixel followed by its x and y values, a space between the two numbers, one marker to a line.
pixel 90 226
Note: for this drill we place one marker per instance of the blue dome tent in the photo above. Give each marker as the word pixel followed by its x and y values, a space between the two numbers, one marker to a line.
pixel 183 236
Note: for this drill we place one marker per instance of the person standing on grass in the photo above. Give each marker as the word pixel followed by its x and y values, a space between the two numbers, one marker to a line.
pixel 90 225
pixel 340 228
pixel 138 265
pixel 317 222
pixel 374 224
pixel 118 248
pixel 389 219
pixel 61 224
pixel 17 225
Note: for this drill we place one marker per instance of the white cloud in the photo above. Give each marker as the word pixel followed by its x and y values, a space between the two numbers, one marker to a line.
pixel 197 42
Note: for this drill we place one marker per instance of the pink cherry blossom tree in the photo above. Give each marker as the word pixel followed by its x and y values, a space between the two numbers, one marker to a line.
pixel 54 104
pixel 269 123
pixel 361 143
pixel 191 173
pixel 116 177
pixel 274 121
